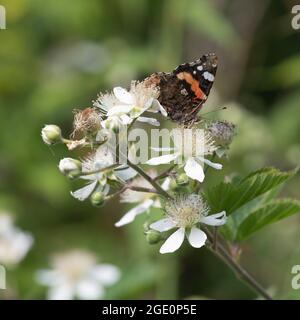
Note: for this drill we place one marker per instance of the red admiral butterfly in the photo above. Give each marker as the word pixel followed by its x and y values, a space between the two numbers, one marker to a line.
pixel 184 90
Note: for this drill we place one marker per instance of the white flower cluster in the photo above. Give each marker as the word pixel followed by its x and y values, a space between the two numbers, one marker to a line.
pixel 174 191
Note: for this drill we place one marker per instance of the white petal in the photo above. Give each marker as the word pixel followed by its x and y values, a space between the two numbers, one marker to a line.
pixel 217 219
pixel 121 109
pixel 194 170
pixel 125 119
pixel 166 184
pixel 152 121
pixel 163 225
pixel 197 238
pixel 123 95
pixel 148 104
pixel 131 214
pixel 214 165
pixel 162 159
pixel 89 289
pixel 106 274
pixel 106 189
pixel 63 291
pixel 156 106
pixel 162 110
pixel 85 192
pixel 173 242
pixel 125 174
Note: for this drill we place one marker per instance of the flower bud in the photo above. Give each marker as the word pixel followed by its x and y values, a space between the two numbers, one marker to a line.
pixel 70 167
pixel 51 134
pixel 222 132
pixel 153 236
pixel 97 199
pixel 173 184
pixel 182 179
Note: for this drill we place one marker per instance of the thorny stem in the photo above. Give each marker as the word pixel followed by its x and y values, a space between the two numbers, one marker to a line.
pixel 240 272
pixel 141 189
pixel 109 197
pixel 155 185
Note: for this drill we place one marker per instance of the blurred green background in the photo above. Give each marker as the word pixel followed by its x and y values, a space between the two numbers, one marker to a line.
pixel 57 55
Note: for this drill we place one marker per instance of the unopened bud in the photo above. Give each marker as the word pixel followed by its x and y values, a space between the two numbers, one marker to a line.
pixel 173 184
pixel 182 179
pixel 70 167
pixel 51 134
pixel 153 236
pixel 97 199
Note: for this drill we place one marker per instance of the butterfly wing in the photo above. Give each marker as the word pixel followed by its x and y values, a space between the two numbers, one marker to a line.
pixel 198 77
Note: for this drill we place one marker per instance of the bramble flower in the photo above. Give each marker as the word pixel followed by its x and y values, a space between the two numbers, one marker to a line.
pixel 192 154
pixel 14 243
pixel 132 104
pixel 51 134
pixel 76 274
pixel 97 170
pixel 93 164
pixel 185 213
pixel 145 200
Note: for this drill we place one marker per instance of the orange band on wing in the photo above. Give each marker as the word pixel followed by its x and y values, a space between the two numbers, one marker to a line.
pixel 195 86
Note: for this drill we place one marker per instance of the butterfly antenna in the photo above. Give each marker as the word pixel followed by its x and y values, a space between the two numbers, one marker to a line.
pixel 217 110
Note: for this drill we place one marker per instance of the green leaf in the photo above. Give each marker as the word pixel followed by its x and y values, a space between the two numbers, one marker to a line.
pixel 229 230
pixel 232 196
pixel 242 196
pixel 272 212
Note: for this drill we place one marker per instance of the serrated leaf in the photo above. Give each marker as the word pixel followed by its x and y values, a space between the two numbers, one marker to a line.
pixel 231 196
pixel 272 212
pixel 229 230
pixel 244 195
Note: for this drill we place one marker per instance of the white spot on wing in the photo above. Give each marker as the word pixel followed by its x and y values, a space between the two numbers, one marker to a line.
pixel 184 92
pixel 200 68
pixel 208 76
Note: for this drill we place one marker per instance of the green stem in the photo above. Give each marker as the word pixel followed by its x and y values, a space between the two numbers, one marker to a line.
pixel 149 179
pixel 165 173
pixel 240 272
pixel 141 189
